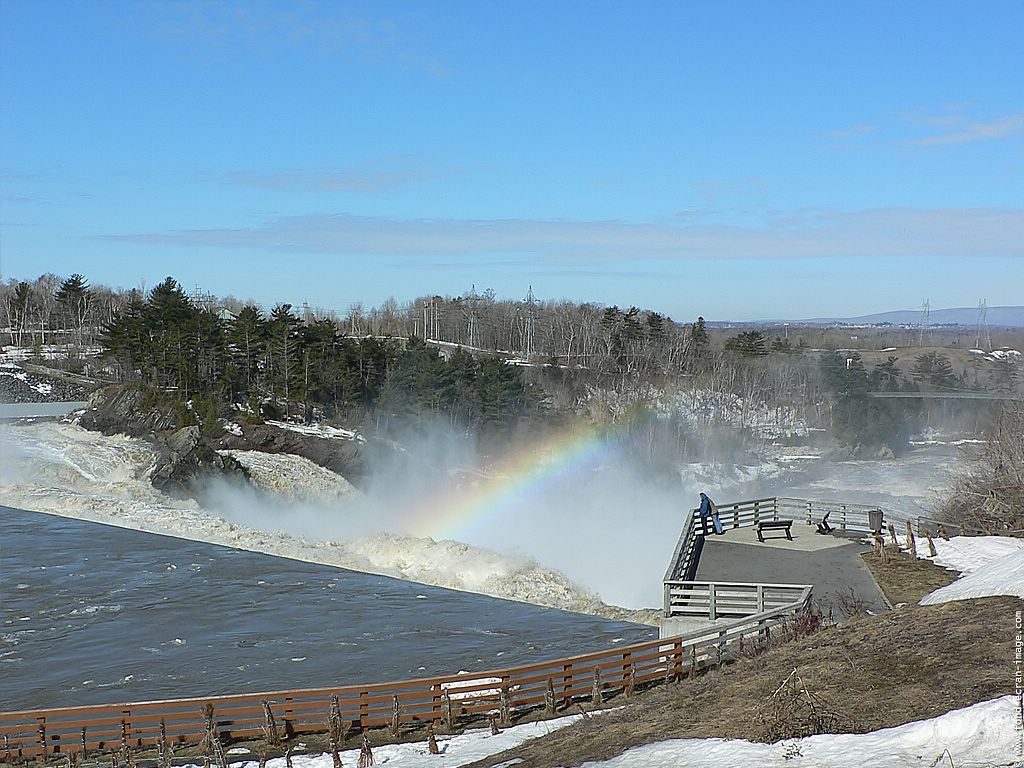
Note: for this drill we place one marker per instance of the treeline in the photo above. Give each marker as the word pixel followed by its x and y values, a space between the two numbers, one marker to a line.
pixel 566 360
pixel 278 365
pixel 52 310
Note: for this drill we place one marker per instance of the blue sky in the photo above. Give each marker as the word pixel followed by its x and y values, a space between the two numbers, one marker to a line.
pixel 736 160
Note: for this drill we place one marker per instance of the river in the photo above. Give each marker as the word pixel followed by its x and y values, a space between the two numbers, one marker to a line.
pixel 91 613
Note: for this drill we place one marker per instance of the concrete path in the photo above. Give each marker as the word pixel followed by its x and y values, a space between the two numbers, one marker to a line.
pixel 832 564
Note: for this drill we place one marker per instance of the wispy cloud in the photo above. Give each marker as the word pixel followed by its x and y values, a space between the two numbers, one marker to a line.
pixel 964 131
pixel 372 178
pixel 853 132
pixel 711 190
pixel 949 125
pixel 888 232
pixel 15 199
pixel 323 28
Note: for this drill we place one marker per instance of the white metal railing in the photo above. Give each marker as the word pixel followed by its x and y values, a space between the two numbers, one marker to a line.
pixel 720 600
pixel 684 595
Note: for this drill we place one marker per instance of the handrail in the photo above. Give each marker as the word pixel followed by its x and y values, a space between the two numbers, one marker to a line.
pixel 550 683
pixel 745 514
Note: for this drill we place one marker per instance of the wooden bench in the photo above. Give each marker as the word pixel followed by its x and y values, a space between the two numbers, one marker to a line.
pixel 774 525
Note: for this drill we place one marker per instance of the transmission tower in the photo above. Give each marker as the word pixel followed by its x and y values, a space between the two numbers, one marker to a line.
pixel 203 299
pixel 530 323
pixel 926 310
pixel 471 306
pixel 983 332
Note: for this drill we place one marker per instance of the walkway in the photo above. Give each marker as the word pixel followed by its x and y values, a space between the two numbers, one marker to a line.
pixel 831 563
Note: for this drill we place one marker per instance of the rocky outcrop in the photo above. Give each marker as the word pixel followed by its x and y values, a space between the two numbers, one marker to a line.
pixel 186 463
pixel 128 411
pixel 860 451
pixel 18 385
pixel 345 457
pixel 188 458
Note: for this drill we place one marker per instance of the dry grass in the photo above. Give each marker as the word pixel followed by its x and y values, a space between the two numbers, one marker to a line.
pixel 912 663
pixel 906 580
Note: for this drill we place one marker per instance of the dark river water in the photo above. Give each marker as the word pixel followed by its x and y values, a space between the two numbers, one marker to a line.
pixel 96 614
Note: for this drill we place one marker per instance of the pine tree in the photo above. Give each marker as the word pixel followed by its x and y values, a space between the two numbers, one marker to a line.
pixel 247 335
pixel 73 297
pixel 748 344
pixel 284 352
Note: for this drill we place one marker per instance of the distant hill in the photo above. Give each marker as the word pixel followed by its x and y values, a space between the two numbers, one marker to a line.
pixel 1006 317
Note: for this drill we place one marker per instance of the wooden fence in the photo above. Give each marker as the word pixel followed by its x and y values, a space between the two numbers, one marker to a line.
pixel 552 685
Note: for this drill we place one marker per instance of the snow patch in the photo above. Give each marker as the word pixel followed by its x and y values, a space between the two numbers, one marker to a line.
pixel 319 430
pixel 455 750
pixel 990 566
pixel 983 734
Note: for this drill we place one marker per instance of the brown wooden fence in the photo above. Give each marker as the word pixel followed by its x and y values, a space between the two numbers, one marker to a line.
pixel 552 684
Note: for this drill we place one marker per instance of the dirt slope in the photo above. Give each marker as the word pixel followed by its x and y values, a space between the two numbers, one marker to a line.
pixel 909 664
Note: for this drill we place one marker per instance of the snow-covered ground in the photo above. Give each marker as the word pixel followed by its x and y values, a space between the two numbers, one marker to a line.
pixel 13 354
pixel 16 372
pixel 986 734
pixel 65 470
pixel 319 430
pixel 996 355
pixel 989 565
pixel 701 408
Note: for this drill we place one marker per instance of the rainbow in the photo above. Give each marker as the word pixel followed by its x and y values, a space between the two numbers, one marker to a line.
pixel 526 474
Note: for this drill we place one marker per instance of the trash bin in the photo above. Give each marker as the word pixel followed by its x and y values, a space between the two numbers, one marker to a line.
pixel 875 520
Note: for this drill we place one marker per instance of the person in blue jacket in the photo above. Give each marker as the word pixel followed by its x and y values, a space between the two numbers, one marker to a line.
pixel 708 509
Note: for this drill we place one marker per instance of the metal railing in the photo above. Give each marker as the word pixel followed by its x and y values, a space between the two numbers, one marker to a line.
pixel 716 600
pixel 683 595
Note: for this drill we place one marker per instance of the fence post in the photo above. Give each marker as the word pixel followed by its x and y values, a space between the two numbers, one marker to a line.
pixel 678 650
pixel 757 512
pixel 760 598
pixel 435 703
pixel 364 709
pixel 668 600
pixel 566 684
pixel 712 608
pixel 505 704
pixel 41 731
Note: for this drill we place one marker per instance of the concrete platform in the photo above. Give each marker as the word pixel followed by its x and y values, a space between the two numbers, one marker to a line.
pixel 805 538
pixel 831 564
